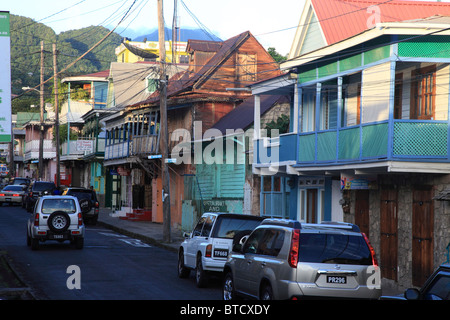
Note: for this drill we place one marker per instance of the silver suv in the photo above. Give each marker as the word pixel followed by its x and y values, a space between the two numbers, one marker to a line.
pixel 206 248
pixel 56 218
pixel 286 259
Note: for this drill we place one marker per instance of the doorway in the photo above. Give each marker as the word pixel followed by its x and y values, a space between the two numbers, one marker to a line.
pixel 388 233
pixel 422 234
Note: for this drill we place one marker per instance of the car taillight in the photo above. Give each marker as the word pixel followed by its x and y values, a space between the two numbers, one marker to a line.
pixel 372 251
pixel 14 195
pixel 208 251
pixel 2 194
pixel 36 220
pixel 293 253
pixel 96 207
pixel 80 219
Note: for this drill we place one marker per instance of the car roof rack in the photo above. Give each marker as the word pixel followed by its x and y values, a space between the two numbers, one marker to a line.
pixel 299 225
pixel 282 222
pixel 334 225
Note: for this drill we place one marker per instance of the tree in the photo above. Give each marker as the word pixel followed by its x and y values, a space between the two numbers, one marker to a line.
pixel 276 56
pixel 282 125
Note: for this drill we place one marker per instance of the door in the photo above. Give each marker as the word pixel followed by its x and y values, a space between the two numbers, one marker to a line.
pixel 311 206
pixel 422 234
pixel 388 234
pixel 362 211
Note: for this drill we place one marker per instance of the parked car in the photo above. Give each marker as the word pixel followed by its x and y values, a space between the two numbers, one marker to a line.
pixel 286 259
pixel 206 248
pixel 35 190
pixel 88 202
pixel 21 181
pixel 56 218
pixel 12 194
pixel 437 287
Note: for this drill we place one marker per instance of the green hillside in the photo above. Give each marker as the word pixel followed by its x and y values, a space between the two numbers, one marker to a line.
pixel 26 37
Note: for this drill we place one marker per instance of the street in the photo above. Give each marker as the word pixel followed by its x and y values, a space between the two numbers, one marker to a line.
pixel 110 266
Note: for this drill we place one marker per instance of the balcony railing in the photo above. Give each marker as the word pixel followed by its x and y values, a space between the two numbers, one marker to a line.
pixel 32 150
pixel 405 140
pixel 147 144
pixel 117 150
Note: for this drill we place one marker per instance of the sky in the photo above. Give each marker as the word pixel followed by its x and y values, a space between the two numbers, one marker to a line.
pixel 273 23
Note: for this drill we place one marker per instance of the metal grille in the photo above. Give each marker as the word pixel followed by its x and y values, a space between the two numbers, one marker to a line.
pixel 422 139
pixel 430 47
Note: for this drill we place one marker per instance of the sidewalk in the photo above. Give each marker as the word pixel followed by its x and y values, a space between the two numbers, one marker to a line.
pixel 146 231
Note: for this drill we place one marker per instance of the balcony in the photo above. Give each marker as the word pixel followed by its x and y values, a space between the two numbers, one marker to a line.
pixel 32 150
pixel 410 141
pixel 118 150
pixel 142 145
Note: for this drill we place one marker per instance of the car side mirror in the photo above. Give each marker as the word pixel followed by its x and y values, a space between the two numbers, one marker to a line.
pixel 412 294
pixel 186 235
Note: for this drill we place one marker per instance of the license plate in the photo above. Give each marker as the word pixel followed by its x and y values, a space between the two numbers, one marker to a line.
pixel 337 279
pixel 57 236
pixel 7 199
pixel 221 253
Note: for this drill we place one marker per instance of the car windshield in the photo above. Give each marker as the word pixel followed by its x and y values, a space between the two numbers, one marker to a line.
pixel 228 227
pixel 52 205
pixel 43 186
pixel 13 188
pixel 334 248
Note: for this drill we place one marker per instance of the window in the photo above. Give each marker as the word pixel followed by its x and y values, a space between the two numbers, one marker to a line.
pixel 398 92
pixel 198 228
pixel 328 110
pixel 333 248
pixel 228 228
pixel 266 242
pixel 208 225
pixel 52 205
pixel 246 67
pixel 423 92
pixel 308 111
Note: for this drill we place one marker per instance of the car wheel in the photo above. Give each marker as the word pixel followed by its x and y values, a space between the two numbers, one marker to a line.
pixel 228 288
pixel 267 293
pixel 58 221
pixel 200 275
pixel 183 272
pixel 28 239
pixel 34 244
pixel 79 243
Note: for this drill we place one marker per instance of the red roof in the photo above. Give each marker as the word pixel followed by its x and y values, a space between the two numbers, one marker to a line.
pixel 341 19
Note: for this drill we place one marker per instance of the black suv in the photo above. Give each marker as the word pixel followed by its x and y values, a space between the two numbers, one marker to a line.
pixel 437 287
pixel 88 202
pixel 36 190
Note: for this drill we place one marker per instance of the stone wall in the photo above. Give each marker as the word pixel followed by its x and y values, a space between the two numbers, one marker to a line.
pixel 404 185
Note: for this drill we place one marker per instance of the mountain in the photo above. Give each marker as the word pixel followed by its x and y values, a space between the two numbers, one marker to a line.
pixel 26 36
pixel 185 35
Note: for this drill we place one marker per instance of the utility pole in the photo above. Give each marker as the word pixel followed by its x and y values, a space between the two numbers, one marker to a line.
pixel 164 131
pixel 55 82
pixel 41 124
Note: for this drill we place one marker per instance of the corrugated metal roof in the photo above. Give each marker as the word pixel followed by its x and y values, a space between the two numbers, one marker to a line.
pixel 342 19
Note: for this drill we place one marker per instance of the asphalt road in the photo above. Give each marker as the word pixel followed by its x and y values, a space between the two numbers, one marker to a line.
pixel 110 266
